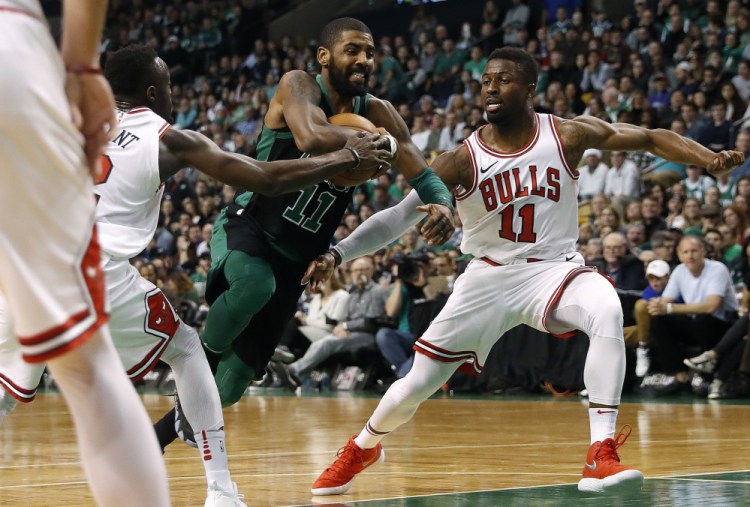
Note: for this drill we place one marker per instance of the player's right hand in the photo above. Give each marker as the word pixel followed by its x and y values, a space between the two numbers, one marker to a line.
pixel 92 108
pixel 319 271
pixel 373 149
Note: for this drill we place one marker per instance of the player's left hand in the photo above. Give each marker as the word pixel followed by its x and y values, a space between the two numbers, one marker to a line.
pixel 438 227
pixel 319 271
pixel 92 107
pixel 725 161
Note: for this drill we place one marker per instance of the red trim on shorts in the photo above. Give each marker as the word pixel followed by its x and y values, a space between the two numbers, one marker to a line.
pixel 497 264
pixel 70 345
pixel 485 147
pixel 152 357
pixel 25 396
pixel 558 294
pixel 561 149
pixel 55 331
pixel 471 368
pixel 474 174
pixel 93 278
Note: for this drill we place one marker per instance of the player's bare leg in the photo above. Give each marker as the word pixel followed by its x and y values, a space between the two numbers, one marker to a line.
pixel 119 451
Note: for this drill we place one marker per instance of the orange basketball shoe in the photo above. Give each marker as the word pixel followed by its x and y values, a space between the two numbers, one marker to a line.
pixel 350 460
pixel 603 470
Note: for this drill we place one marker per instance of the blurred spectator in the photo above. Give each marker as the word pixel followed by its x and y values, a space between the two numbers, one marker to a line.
pixel 625 269
pixel 715 135
pixel 709 308
pixel 592 175
pixel 623 179
pixel 396 343
pixel 637 335
pixel 365 311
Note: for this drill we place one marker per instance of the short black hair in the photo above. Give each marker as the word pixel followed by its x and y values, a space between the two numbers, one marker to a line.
pixel 131 70
pixel 333 30
pixel 521 58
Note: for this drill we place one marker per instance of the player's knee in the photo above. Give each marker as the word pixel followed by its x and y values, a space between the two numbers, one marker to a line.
pixel 250 293
pixel 381 338
pixel 233 377
pixel 231 392
pixel 608 317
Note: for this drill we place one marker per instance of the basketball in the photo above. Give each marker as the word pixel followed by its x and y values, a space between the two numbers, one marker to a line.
pixel 354 177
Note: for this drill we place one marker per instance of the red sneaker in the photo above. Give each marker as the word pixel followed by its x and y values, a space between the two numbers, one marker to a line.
pixel 350 460
pixel 603 469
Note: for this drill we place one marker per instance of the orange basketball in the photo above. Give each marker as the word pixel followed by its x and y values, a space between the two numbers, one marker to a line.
pixel 354 177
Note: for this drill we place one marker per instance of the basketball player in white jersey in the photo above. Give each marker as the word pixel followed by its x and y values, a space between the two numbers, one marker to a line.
pixel 145 327
pixel 49 255
pixel 515 181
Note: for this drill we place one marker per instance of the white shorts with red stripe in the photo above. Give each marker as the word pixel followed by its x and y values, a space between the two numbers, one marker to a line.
pixel 142 321
pixel 142 324
pixel 49 257
pixel 489 299
pixel 17 377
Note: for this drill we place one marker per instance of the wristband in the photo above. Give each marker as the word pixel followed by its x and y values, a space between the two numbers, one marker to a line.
pixel 82 69
pixel 336 257
pixel 356 156
pixel 669 307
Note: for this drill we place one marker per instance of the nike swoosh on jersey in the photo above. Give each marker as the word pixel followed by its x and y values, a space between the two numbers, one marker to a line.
pixel 484 170
pixel 568 259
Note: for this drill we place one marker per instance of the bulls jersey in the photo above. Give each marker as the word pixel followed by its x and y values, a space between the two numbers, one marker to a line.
pixel 129 188
pixel 522 204
pixel 31 6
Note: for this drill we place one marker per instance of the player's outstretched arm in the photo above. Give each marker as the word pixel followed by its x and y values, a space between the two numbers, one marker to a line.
pixel 295 105
pixel 411 163
pixel 182 148
pixel 588 132
pixel 386 226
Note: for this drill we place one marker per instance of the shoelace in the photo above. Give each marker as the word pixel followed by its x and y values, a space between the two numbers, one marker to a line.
pixel 344 457
pixel 610 451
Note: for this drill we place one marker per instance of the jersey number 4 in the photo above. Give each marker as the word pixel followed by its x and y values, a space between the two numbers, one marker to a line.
pixel 526 214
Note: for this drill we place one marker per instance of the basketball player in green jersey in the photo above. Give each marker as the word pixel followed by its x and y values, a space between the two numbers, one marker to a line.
pixel 262 244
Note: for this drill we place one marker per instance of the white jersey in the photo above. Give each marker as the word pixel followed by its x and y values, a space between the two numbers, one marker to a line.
pixel 520 205
pixel 30 6
pixel 130 189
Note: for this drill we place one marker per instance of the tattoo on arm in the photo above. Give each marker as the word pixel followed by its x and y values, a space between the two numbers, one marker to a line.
pixel 573 140
pixel 301 88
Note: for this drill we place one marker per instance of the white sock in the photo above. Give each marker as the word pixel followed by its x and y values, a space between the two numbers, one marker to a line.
pixel 214 457
pixel 602 422
pixel 200 401
pixel 403 398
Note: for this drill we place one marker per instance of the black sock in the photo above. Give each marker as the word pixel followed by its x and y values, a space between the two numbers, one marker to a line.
pixel 165 430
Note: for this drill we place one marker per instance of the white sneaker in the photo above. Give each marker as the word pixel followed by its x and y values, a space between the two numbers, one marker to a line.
pixel 642 361
pixel 714 390
pixel 218 497
pixel 702 363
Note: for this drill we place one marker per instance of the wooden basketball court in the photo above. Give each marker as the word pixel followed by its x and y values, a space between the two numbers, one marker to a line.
pixel 467 451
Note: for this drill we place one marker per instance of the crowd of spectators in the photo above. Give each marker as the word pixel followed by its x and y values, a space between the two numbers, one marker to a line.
pixel 681 65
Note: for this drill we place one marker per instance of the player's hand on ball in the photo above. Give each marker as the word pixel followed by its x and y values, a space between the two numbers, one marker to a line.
pixel 319 271
pixel 373 150
pixel 439 226
pixel 725 161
